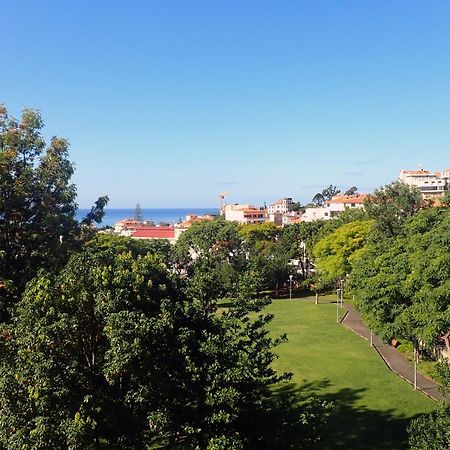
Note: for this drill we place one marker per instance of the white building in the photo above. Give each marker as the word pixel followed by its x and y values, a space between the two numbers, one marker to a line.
pixel 334 207
pixel 245 213
pixel 430 184
pixel 282 206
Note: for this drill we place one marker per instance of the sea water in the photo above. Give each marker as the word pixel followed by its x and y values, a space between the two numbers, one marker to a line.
pixel 157 215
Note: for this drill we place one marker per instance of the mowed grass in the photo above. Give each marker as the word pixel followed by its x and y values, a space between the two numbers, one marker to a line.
pixel 373 406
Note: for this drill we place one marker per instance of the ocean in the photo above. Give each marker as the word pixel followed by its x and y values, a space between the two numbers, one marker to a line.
pixel 157 215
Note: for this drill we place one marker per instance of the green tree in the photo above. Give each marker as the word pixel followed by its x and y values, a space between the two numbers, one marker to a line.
pixel 432 431
pixel 37 204
pixel 335 251
pixel 97 212
pixel 109 351
pixel 318 199
pixel 401 284
pixel 351 191
pixel 329 192
pixel 390 206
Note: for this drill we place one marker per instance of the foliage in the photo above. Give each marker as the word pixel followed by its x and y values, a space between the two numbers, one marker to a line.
pixel 254 233
pixel 329 192
pixel 334 252
pixel 390 207
pixel 351 191
pixel 318 199
pixel 97 212
pixel 109 350
pixel 402 284
pixel 37 204
pixel 432 431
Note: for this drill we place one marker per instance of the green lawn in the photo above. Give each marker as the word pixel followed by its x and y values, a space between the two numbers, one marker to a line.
pixel 372 405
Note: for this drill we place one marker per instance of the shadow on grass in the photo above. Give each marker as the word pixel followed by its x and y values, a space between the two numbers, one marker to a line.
pixel 352 426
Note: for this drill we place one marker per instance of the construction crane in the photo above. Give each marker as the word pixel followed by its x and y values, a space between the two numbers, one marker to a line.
pixel 222 203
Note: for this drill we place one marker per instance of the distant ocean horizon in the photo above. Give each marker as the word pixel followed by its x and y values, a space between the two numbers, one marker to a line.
pixel 157 215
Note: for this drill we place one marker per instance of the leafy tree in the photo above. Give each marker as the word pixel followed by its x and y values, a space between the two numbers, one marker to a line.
pixel 297 206
pixel 215 247
pixel 329 192
pixel 401 284
pixel 390 206
pixel 254 233
pixel 445 200
pixel 351 191
pixel 109 351
pixel 37 204
pixel 318 199
pixel 335 251
pixel 432 431
pixel 97 212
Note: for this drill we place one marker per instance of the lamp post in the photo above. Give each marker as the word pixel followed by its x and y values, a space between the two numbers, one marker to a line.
pixel 290 287
pixel 416 355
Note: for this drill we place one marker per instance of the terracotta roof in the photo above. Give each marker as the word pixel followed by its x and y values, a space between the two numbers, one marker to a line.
pixel 129 222
pixel 155 233
pixel 417 172
pixel 358 198
pixel 253 211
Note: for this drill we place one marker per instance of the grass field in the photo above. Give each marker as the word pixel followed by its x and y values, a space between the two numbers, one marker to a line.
pixel 372 405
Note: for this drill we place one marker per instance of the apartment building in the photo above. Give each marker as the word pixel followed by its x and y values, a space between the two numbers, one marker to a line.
pixel 334 207
pixel 430 184
pixel 281 206
pixel 245 213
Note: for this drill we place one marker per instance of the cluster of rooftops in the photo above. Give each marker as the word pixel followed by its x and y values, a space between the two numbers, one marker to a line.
pixel 283 211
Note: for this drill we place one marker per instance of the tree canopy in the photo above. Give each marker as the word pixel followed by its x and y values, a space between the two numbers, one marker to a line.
pixel 334 253
pixel 111 351
pixel 402 283
pixel 390 206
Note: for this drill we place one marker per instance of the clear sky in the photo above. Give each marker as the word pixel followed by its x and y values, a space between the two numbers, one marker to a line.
pixel 170 102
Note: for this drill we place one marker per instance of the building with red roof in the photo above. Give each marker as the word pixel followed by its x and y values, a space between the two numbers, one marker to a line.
pixel 155 233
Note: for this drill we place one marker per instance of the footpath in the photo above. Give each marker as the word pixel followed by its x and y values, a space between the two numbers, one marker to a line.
pixel 391 356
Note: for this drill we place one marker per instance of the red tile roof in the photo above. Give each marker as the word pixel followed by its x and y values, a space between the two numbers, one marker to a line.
pixel 358 198
pixel 417 172
pixel 155 233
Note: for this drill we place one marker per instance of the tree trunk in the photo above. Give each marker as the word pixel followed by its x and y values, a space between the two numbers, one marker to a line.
pixel 317 299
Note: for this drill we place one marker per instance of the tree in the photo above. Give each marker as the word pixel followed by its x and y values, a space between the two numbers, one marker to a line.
pixel 37 202
pixel 390 206
pixel 110 351
pixel 97 212
pixel 38 229
pixel 401 283
pixel 138 213
pixel 329 192
pixel 351 191
pixel 318 199
pixel 432 431
pixel 445 200
pixel 335 251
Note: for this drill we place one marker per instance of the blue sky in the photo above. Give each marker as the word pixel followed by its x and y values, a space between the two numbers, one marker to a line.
pixel 170 103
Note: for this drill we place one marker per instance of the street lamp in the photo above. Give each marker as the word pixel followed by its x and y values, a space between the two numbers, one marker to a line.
pixel 338 294
pixel 290 287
